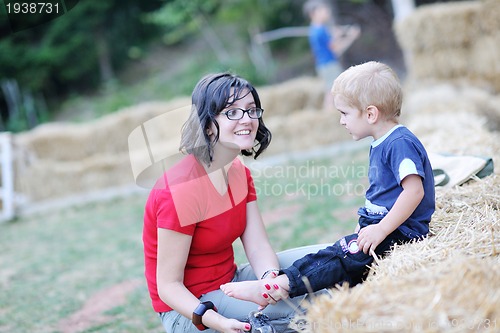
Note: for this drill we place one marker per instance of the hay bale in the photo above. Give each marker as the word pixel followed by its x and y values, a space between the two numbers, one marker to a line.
pixel 292 96
pixel 489 12
pixel 485 59
pixel 73 142
pixel 48 179
pixel 454 119
pixel 438 26
pixel 459 133
pixel 453 41
pixel 60 159
pixel 445 283
pixel 445 305
pixel 442 63
pixel 294 132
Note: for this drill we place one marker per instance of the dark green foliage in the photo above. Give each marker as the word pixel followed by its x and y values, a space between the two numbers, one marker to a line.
pixel 74 52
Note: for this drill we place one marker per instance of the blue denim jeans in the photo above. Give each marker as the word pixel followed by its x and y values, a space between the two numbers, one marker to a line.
pixel 338 263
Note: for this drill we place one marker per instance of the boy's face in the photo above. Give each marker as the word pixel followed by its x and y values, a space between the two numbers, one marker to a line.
pixel 354 120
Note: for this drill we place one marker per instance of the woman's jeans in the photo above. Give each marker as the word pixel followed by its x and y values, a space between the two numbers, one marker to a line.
pixel 280 314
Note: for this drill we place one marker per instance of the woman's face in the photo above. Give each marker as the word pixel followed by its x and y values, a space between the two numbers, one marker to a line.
pixel 237 134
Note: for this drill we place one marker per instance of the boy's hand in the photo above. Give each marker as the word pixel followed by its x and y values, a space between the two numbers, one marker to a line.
pixel 370 237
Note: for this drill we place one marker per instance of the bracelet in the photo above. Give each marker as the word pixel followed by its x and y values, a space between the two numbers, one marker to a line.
pixel 199 312
pixel 266 273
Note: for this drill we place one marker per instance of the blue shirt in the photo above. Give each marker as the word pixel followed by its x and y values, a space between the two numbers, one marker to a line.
pixel 320 39
pixel 394 156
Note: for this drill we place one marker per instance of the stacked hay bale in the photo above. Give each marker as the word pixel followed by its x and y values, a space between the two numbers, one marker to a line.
pixel 445 283
pixel 59 159
pixel 295 117
pixel 453 42
pixel 456 120
pixel 448 282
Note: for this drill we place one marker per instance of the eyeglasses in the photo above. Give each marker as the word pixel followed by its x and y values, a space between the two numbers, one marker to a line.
pixel 237 113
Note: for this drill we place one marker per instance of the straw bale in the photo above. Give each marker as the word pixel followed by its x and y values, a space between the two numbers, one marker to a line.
pixel 292 96
pixel 447 297
pixel 485 58
pixel 305 129
pixel 433 97
pixel 453 41
pixel 441 63
pixel 69 142
pixel 447 282
pixel 49 179
pixel 58 159
pixel 454 119
pixel 438 26
pixel 489 13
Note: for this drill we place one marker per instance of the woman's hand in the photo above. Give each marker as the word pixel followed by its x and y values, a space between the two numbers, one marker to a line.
pixel 273 292
pixel 235 326
pixel 222 324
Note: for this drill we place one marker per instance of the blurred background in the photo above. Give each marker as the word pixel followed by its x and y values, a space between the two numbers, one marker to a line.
pixel 74 86
pixel 99 56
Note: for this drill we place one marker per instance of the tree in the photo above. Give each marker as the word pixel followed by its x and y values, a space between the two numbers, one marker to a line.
pixel 78 50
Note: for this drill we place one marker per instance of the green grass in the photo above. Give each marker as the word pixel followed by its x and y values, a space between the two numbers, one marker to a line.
pixel 51 264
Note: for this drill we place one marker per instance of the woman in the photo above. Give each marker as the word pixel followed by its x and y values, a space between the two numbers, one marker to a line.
pixel 201 206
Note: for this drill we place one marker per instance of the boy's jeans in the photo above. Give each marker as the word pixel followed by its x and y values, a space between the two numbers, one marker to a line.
pixel 335 264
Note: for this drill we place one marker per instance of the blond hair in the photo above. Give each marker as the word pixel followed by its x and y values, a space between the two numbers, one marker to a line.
pixel 371 83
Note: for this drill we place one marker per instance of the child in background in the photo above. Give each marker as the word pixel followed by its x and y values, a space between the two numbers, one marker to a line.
pixel 325 46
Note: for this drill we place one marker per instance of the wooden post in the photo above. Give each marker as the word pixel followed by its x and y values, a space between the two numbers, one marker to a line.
pixel 7 189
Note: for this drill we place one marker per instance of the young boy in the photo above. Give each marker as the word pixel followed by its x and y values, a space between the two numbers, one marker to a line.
pixel 399 201
pixel 327 48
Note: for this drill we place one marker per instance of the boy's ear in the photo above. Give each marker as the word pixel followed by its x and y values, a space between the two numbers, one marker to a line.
pixel 372 114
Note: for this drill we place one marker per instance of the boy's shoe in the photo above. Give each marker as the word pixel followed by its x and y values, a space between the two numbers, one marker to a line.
pixel 260 323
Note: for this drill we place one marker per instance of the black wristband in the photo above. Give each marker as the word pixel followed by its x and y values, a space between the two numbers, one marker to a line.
pixel 199 312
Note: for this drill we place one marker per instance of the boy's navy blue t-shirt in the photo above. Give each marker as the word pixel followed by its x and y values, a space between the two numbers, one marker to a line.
pixel 394 156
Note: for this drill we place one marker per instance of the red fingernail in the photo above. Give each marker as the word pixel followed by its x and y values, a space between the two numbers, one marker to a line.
pixel 274 274
pixel 248 327
pixel 265 295
pixel 276 287
pixel 268 287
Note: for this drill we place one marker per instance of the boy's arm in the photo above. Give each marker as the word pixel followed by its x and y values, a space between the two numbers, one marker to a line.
pixel 413 192
pixel 343 38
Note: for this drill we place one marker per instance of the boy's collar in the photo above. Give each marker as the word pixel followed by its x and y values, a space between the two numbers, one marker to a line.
pixel 375 143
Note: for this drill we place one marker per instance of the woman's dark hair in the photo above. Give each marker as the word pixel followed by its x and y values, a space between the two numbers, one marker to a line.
pixel 212 94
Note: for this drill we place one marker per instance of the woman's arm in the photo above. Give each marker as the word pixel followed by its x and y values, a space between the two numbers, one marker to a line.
pixel 258 249
pixel 173 250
